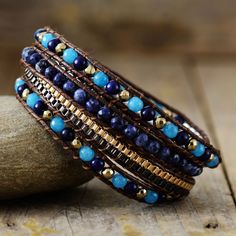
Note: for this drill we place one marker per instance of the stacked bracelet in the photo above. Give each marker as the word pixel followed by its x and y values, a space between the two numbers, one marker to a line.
pixel 144 148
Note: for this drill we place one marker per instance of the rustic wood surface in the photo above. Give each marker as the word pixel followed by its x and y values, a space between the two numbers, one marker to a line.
pixel 204 89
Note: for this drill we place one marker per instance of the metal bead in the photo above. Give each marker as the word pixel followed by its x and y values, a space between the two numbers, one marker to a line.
pixel 90 69
pixel 192 144
pixel 40 37
pixel 60 47
pixel 76 143
pixel 124 95
pixel 25 94
pixel 168 112
pixel 108 173
pixel 141 193
pixel 47 115
pixel 160 122
pixel 211 158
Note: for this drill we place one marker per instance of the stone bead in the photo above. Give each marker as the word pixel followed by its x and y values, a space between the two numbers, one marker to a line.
pixel 90 69
pixel 179 119
pixel 147 114
pixel 80 63
pixel 153 146
pixel 165 153
pixel 60 48
pixel 53 43
pixel 34 58
pixel 117 123
pixel 151 197
pixel 131 188
pixel 160 122
pixel 21 88
pixel 108 173
pixel 135 104
pixel 119 181
pixel 124 95
pixel 26 53
pixel 40 107
pixel 59 79
pixel 113 87
pixel 141 140
pixel 182 163
pixel 104 114
pixel 93 105
pixel 32 99
pixel 46 38
pixel 97 164
pixel 192 170
pixel 69 87
pixel 170 130
pixel 80 96
pixel 206 156
pixel 47 115
pixel 86 153
pixel 41 66
pixel 67 134
pixel 18 83
pixel 37 32
pixel 174 159
pixel 182 138
pixel 199 150
pixel 214 162
pixel 76 143
pixel 130 131
pixel 69 55
pixel 100 79
pixel 50 72
pixel 57 124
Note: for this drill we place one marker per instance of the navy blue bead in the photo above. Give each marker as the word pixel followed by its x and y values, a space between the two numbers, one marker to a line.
pixel 40 107
pixel 104 113
pixel 50 72
pixel 153 146
pixel 59 79
pixel 26 53
pixel 80 96
pixel 53 43
pixel 206 156
pixel 130 131
pixel 34 58
pixel 147 113
pixel 182 138
pixel 67 134
pixel 41 66
pixel 131 188
pixel 97 164
pixel 192 170
pixel 21 88
pixel 117 123
pixel 180 119
pixel 165 153
pixel 80 63
pixel 92 105
pixel 69 87
pixel 141 140
pixel 113 87
pixel 182 163
pixel 37 32
pixel 174 159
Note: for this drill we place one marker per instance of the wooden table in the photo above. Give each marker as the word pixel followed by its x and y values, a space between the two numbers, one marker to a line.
pixel 204 88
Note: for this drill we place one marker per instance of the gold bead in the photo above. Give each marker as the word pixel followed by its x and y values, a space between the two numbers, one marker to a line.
pixel 90 69
pixel 168 112
pixel 160 122
pixel 108 173
pixel 60 47
pixel 40 37
pixel 211 158
pixel 25 94
pixel 124 95
pixel 47 115
pixel 192 144
pixel 141 193
pixel 76 143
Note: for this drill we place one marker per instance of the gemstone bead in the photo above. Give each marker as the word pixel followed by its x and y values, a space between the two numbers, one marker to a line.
pixel 40 107
pixel 135 104
pixel 80 63
pixel 57 124
pixel 119 181
pixel 179 119
pixel 130 131
pixel 206 156
pixel 104 113
pixel 131 188
pixel 214 162
pixel 151 197
pixel 32 99
pixel 97 164
pixel 80 96
pixel 26 53
pixel 141 140
pixel 21 88
pixel 199 150
pixel 165 153
pixel 53 43
pixel 174 159
pixel 100 79
pixel 93 105
pixel 37 32
pixel 192 170
pixel 33 59
pixel 182 138
pixel 69 55
pixel 67 134
pixel 46 38
pixel 147 114
pixel 69 87
pixel 59 79
pixel 113 87
pixel 86 153
pixel 170 130
pixel 18 83
pixel 183 163
pixel 50 72
pixel 117 123
pixel 41 66
pixel 153 147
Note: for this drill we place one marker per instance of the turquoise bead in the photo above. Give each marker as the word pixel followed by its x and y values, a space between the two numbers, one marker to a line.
pixel 100 79
pixel 18 83
pixel 170 130
pixel 135 104
pixel 86 153
pixel 57 124
pixel 214 162
pixel 46 38
pixel 119 181
pixel 69 55
pixel 32 99
pixel 151 197
pixel 199 150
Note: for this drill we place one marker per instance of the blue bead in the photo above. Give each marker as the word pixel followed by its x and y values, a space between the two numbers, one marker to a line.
pixel 131 188
pixel 151 197
pixel 59 79
pixel 67 134
pixel 80 96
pixel 192 170
pixel 206 156
pixel 26 53
pixel 86 153
pixel 40 107
pixel 113 87
pixel 53 43
pixel 117 123
pixel 80 63
pixel 32 99
pixel 199 150
pixel 174 159
pixel 21 88
pixel 46 38
pixel 135 104
pixel 93 105
pixel 147 114
pixel 141 140
pixel 41 66
pixel 165 153
pixel 37 32
pixel 104 114
pixel 69 87
pixel 182 163
pixel 34 58
pixel 130 131
pixel 170 130
pixel 119 181
pixel 180 119
pixel 50 72
pixel 214 162
pixel 69 55
pixel 18 83
pixel 100 79
pixel 153 147
pixel 57 124
pixel 182 138
pixel 97 164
